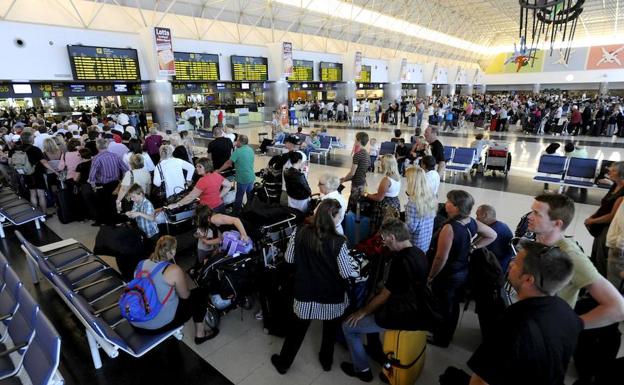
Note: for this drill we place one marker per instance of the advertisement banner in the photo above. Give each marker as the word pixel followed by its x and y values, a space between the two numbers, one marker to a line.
pixel 164 51
pixel 287 58
pixel 358 65
pixel 405 74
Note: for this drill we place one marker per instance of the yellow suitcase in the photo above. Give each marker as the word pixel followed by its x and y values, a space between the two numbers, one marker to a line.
pixel 405 355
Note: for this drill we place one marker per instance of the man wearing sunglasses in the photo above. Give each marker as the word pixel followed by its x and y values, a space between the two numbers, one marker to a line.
pixel 537 335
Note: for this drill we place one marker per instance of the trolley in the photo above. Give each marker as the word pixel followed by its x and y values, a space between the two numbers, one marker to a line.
pixel 498 158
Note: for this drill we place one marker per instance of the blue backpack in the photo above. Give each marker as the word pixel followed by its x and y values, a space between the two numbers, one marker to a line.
pixel 139 301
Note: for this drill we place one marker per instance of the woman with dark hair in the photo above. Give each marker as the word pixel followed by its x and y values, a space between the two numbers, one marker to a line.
pixel 179 302
pixel 136 148
pixel 322 263
pixel 450 250
pixel 297 187
pixel 210 188
pixel 207 234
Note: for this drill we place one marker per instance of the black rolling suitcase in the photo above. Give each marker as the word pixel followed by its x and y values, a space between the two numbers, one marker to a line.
pixel 66 206
pixel 276 298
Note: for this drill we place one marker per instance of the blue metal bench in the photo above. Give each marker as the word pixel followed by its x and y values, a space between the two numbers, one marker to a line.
pixel 448 153
pixel 91 289
pixel 463 160
pixel 323 150
pixel 551 169
pixel 17 211
pixel 581 172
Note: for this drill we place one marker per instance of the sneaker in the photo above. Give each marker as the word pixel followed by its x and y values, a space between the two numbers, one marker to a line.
pixel 347 368
pixel 259 316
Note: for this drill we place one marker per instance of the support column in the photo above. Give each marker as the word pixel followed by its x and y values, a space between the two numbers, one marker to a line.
pixel 158 92
pixel 481 88
pixel 275 95
pixel 604 88
pixel 346 91
pixel 158 99
pixel 425 90
pixel 466 89
pixel 448 90
pixel 393 89
pixel 536 88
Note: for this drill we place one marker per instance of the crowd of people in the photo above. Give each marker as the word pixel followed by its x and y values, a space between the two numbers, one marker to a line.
pixel 118 169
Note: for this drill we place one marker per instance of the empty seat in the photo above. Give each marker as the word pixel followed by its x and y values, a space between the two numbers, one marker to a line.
pixel 463 159
pixel 581 172
pixel 551 168
pixel 42 358
pixel 8 300
pixel 448 153
pixel 21 330
pixel 387 148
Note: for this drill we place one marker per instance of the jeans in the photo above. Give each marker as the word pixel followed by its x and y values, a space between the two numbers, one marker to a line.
pixel 353 335
pixel 242 188
pixel 419 117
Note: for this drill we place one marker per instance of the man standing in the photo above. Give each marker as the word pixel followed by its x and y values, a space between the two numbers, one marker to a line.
pixel 437 149
pixel 106 170
pixel 357 174
pixel 123 119
pixel 243 160
pixel 501 247
pixel 536 337
pixel 220 149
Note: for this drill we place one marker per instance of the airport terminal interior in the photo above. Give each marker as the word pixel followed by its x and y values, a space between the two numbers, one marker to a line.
pixel 312 192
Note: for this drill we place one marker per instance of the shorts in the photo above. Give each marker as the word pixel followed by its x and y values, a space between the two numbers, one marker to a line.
pixel 35 181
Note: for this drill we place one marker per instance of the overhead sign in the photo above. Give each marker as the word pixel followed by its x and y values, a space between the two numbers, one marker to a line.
pixel 365 74
pixel 164 51
pixel 330 72
pixel 103 63
pixel 249 68
pixel 196 66
pixel 357 65
pixel 303 71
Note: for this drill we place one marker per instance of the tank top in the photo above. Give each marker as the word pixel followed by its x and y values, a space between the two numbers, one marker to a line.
pixel 168 310
pixel 460 248
pixel 394 188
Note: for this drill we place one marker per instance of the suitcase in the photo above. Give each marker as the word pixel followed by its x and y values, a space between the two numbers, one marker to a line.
pixel 493 124
pixel 357 227
pixel 412 121
pixel 66 206
pixel 479 123
pixel 276 299
pixel 405 356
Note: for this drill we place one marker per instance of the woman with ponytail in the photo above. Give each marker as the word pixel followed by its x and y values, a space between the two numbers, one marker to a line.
pixel 322 264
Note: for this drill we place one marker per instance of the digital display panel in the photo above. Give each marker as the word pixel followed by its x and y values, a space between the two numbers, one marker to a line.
pixel 249 68
pixel 303 71
pixel 103 63
pixel 196 66
pixel 330 72
pixel 365 75
pixel 22 89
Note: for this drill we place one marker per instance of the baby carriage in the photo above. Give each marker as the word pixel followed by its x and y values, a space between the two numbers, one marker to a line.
pixel 269 188
pixel 498 158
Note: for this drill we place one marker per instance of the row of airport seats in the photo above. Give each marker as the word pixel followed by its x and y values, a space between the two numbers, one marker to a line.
pixel 17 211
pixel 30 347
pixel 573 172
pixel 91 289
pixel 460 159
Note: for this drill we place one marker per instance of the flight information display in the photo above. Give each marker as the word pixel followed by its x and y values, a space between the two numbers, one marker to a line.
pixel 103 63
pixel 196 66
pixel 365 75
pixel 303 71
pixel 330 72
pixel 249 68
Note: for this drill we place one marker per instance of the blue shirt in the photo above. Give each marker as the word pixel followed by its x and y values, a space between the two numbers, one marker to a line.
pixel 501 247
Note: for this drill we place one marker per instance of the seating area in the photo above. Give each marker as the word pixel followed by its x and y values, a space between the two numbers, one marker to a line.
pixel 460 159
pixel 571 172
pixel 91 289
pixel 29 345
pixel 17 211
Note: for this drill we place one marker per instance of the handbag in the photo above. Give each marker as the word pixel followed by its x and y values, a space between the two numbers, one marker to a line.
pixel 159 194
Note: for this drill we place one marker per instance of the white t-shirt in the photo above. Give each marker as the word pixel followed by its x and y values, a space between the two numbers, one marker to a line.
pixel 433 178
pixel 140 177
pixel 38 142
pixel 148 164
pixel 123 119
pixel 131 130
pixel 174 177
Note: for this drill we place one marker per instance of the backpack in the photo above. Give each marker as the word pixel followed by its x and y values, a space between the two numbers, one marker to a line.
pixel 139 301
pixel 522 229
pixel 21 164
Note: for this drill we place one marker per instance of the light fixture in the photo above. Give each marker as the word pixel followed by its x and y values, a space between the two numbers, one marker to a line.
pixel 569 77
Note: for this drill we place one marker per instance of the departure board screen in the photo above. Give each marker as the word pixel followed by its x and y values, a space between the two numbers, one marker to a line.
pixel 249 68
pixel 365 75
pixel 103 63
pixel 303 71
pixel 196 66
pixel 330 72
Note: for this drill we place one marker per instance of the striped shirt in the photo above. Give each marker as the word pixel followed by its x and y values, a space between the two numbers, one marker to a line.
pixel 323 311
pixel 420 228
pixel 106 167
pixel 150 228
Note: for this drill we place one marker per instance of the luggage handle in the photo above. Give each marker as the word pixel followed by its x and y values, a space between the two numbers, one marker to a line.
pixel 393 362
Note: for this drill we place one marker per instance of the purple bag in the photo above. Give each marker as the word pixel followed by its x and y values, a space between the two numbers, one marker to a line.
pixel 233 245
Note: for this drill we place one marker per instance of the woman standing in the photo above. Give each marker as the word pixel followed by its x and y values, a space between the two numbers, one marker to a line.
pixel 210 188
pixel 598 223
pixel 297 187
pixel 137 174
pixel 387 195
pixel 322 263
pixel 420 209
pixel 170 171
pixel 179 301
pixel 451 248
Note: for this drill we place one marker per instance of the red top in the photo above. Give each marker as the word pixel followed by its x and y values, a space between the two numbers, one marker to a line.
pixel 210 186
pixel 576 117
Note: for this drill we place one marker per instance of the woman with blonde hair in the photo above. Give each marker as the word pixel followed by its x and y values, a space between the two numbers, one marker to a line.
pixel 387 196
pixel 137 174
pixel 179 301
pixel 421 207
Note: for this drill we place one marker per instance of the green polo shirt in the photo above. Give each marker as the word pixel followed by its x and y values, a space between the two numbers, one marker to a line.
pixel 243 159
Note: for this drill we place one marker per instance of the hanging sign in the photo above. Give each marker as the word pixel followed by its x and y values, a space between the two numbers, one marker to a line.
pixel 164 52
pixel 358 65
pixel 405 74
pixel 287 59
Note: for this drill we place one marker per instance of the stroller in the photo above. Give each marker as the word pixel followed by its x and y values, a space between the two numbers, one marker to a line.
pixel 270 187
pixel 498 158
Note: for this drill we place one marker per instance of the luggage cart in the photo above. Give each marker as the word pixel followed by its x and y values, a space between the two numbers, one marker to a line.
pixel 274 239
pixel 498 158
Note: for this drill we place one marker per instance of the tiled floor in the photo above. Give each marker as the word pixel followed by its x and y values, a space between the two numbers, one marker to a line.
pixel 241 352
